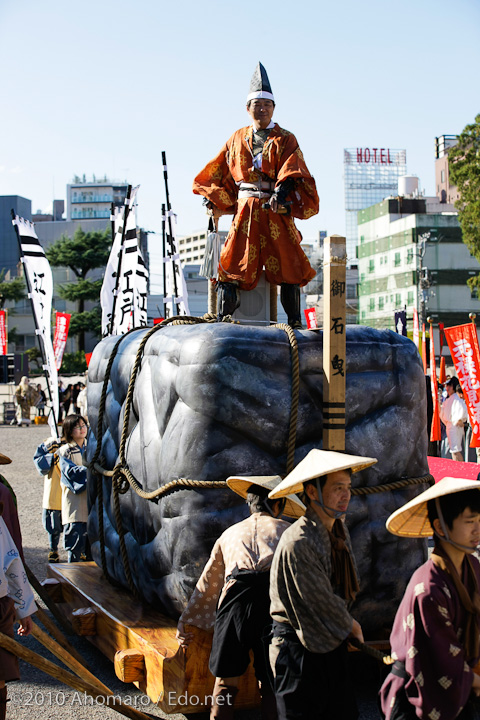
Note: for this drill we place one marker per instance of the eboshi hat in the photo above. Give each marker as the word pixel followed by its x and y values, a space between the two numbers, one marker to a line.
pixel 4 459
pixel 240 484
pixel 411 520
pixel 316 464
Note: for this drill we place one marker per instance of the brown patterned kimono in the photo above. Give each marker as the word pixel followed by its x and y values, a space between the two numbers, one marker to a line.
pixel 260 238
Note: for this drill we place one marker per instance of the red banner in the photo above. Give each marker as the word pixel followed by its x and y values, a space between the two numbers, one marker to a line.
pixel 443 373
pixel 60 337
pixel 311 318
pixel 463 343
pixel 435 431
pixel 3 332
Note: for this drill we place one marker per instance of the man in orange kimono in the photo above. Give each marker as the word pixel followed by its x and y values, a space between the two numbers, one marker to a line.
pixel 261 178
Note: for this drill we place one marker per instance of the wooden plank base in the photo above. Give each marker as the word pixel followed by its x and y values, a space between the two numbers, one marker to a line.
pixel 176 680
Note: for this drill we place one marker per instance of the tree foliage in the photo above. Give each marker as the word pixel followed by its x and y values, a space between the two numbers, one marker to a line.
pixel 11 289
pixel 464 170
pixel 84 252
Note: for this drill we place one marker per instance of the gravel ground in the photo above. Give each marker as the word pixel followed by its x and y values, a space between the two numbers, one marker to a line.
pixel 38 696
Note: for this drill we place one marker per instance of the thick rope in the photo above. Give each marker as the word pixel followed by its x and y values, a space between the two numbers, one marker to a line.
pixel 395 485
pixel 292 434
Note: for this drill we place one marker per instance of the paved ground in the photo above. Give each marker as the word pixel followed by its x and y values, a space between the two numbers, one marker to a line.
pixel 40 697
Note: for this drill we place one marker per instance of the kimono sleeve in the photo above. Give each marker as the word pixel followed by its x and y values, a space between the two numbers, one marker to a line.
pixel 43 459
pixel 216 183
pixel 304 199
pixel 74 477
pixel 440 678
pixel 201 607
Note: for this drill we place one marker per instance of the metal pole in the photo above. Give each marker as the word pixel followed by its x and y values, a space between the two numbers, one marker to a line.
pixel 164 257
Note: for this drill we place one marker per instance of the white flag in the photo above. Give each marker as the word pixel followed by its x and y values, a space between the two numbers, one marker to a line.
pixel 110 277
pixel 175 291
pixel 40 282
pixel 123 321
pixel 141 293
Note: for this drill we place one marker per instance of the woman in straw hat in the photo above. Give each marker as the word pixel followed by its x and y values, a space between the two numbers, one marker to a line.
pixel 232 594
pixel 313 583
pixel 435 635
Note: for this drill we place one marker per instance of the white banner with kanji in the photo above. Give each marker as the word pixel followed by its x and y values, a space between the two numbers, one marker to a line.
pixel 62 322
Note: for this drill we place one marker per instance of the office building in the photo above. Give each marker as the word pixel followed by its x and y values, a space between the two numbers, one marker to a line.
pixel 411 256
pixel 92 200
pixel 370 175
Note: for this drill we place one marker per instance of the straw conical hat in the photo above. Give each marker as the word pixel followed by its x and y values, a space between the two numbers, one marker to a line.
pixel 411 520
pixel 293 506
pixel 316 464
pixel 4 459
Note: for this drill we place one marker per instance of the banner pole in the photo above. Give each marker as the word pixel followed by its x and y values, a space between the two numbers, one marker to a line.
pixel 164 255
pixel 170 230
pixel 35 320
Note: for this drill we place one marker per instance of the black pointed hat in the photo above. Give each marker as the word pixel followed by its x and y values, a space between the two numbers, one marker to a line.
pixel 260 85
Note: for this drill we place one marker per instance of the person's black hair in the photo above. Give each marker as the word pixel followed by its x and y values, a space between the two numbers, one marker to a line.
pixel 453 505
pixel 70 422
pixel 257 499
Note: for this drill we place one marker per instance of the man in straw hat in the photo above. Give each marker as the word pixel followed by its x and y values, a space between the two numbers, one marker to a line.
pixel 435 635
pixel 232 594
pixel 313 582
pixel 258 174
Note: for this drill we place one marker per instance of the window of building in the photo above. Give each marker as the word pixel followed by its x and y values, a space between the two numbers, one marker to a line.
pixel 410 255
pixel 381 261
pixel 362 239
pixel 410 297
pixel 398 300
pixel 351 291
pixel 362 277
pixel 363 314
pixel 380 303
pixel 372 304
pixel 371 266
pixel 442 176
pixel 474 293
pixel 397 259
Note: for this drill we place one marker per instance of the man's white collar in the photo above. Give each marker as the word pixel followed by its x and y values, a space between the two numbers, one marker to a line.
pixel 270 125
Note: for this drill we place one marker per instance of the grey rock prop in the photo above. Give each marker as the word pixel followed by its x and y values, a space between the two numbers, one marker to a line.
pixel 212 400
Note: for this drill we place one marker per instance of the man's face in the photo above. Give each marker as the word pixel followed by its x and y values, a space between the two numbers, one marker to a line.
pixel 337 491
pixel 261 112
pixel 466 529
pixel 449 390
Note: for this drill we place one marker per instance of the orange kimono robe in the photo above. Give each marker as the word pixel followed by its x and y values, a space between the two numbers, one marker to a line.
pixel 260 238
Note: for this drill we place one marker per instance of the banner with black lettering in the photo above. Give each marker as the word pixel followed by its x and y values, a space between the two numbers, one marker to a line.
pixel 175 291
pixel 107 293
pixel 39 279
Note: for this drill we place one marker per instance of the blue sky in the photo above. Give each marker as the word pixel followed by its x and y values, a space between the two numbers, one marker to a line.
pixel 103 86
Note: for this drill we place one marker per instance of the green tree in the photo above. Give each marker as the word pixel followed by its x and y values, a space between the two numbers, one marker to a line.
pixel 83 253
pixel 11 289
pixel 464 170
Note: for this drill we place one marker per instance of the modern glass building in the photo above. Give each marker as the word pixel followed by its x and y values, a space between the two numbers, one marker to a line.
pixel 370 175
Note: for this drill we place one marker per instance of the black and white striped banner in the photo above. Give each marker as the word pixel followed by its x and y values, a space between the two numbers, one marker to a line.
pixel 39 278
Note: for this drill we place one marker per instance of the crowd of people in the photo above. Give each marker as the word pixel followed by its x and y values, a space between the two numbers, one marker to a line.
pixel 28 396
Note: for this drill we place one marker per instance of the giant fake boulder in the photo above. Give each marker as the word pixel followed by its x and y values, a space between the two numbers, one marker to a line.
pixel 212 400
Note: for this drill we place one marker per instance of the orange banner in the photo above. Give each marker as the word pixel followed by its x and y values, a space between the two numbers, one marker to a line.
pixel 463 343
pixel 424 350
pixel 3 332
pixel 435 431
pixel 443 373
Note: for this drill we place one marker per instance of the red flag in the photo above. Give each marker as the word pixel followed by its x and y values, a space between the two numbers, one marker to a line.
pixel 3 332
pixel 60 337
pixel 463 343
pixel 416 329
pixel 424 350
pixel 311 318
pixel 88 357
pixel 435 432
pixel 442 374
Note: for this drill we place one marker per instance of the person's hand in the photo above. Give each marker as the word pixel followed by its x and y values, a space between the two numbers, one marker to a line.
pixel 356 631
pixel 183 638
pixel 214 211
pixel 274 203
pixel 25 626
pixel 459 423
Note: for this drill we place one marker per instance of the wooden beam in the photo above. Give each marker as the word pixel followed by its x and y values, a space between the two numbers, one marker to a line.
pixel 334 342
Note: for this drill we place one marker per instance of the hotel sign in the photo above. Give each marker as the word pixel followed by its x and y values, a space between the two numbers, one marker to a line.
pixel 374 156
